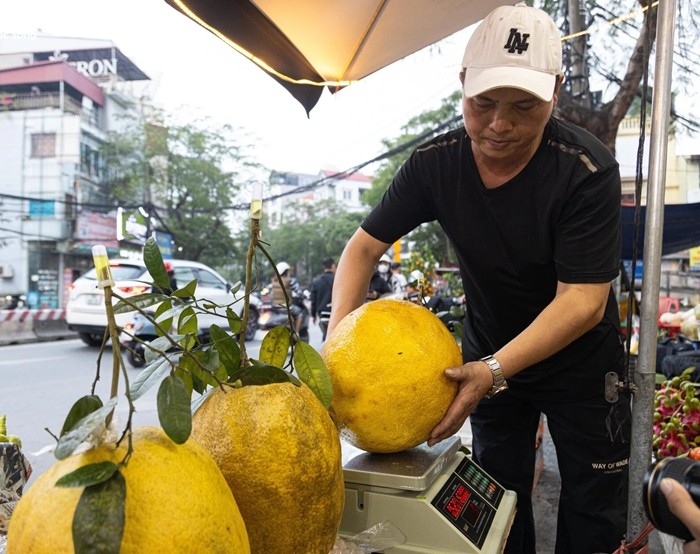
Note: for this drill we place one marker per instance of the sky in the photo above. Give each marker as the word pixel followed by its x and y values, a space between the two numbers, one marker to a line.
pixel 194 75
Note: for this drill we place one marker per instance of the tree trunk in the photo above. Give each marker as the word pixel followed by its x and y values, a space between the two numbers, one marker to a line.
pixel 603 121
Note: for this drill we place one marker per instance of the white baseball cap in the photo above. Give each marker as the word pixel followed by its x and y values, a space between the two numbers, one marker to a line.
pixel 514 46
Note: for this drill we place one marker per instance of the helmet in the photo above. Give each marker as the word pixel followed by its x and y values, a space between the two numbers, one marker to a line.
pixel 282 268
pixel 415 276
pixel 385 259
pixel 168 266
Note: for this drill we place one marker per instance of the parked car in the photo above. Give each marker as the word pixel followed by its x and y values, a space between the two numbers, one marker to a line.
pixel 85 312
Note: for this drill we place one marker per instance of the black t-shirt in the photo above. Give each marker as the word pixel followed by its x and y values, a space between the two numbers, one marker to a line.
pixel 559 219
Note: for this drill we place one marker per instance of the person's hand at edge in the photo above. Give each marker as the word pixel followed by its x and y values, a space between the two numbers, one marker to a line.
pixel 682 506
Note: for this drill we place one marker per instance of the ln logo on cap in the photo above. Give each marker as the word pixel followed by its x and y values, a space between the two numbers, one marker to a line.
pixel 516 41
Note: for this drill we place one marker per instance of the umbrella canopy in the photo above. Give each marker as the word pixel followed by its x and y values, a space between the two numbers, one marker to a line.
pixel 313 44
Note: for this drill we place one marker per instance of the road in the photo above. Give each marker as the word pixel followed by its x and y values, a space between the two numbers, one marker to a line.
pixel 39 382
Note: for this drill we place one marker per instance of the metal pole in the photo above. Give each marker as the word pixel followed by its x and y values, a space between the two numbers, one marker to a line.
pixel 645 375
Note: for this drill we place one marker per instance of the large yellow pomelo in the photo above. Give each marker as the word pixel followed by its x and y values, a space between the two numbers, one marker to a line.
pixel 387 361
pixel 280 451
pixel 176 501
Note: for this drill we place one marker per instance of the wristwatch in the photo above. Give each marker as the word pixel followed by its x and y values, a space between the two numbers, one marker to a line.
pixel 499 381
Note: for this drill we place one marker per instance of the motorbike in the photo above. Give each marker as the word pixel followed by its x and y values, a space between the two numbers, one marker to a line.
pixel 273 315
pixel 140 330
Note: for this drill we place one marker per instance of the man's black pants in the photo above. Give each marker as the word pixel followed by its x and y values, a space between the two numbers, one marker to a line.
pixel 591 437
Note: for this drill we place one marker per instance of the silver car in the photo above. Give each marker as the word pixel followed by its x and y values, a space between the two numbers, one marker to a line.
pixel 85 311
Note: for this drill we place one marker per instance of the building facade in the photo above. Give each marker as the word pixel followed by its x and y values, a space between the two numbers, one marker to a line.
pixel 344 189
pixel 58 100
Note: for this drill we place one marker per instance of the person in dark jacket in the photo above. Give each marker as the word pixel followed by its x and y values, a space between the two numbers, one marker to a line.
pixel 321 290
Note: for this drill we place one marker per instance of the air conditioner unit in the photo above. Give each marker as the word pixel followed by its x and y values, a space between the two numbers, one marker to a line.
pixel 6 271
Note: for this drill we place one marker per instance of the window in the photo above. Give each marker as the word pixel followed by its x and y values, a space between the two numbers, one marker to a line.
pixel 210 280
pixel 44 145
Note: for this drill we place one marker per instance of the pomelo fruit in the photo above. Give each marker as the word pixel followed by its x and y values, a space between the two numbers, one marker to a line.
pixel 278 448
pixel 176 501
pixel 387 360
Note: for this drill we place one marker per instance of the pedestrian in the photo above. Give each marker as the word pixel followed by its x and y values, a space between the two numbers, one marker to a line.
pixel 531 205
pixel 398 281
pixel 321 289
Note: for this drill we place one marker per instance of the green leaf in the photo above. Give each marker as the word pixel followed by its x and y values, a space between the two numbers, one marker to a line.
pixel 143 301
pixel 187 291
pixel 262 375
pixel 154 263
pixel 86 476
pixel 186 378
pixel 312 370
pixel 189 366
pixel 148 377
pixel 169 313
pixel 234 321
pixel 212 361
pixel 187 342
pixel 153 348
pixel 174 409
pixel 99 518
pixel 82 407
pixel 275 346
pixel 227 347
pixel 187 322
pixel 81 430
pixel 199 374
pixel 164 322
pixel 236 287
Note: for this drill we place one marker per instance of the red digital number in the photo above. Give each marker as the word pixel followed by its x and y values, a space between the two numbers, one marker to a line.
pixel 454 507
pixel 462 494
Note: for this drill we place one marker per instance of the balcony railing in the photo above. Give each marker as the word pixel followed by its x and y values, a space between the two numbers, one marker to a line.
pixel 32 101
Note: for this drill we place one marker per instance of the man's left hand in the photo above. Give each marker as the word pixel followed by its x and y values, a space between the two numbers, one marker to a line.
pixel 475 381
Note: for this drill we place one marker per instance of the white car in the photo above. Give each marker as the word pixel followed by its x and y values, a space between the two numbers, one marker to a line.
pixel 85 312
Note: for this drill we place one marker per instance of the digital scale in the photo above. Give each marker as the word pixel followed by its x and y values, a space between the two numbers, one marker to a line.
pixel 437 497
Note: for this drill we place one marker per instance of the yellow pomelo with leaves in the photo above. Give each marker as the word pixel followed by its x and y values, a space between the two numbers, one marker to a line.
pixel 176 501
pixel 387 360
pixel 279 451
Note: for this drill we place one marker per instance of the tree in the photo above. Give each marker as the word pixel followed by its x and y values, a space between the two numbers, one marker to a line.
pixel 576 102
pixel 314 232
pixel 584 58
pixel 420 128
pixel 187 177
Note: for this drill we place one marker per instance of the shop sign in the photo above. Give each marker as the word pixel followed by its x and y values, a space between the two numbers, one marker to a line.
pixel 132 225
pixel 95 67
pixel 96 228
pixel 165 244
pixel 42 208
pixel 694 258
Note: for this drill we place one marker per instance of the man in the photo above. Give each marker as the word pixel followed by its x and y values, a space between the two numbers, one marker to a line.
pixel 531 205
pixel 321 290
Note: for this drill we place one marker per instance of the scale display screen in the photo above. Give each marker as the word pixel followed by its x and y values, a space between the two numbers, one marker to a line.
pixel 469 500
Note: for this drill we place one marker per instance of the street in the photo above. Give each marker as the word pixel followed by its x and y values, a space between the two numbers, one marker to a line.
pixel 39 382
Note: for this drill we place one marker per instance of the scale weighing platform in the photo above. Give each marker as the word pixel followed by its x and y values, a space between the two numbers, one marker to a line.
pixel 439 499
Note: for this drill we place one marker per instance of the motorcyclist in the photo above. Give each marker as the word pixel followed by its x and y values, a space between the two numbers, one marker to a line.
pixel 294 293
pixel 379 283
